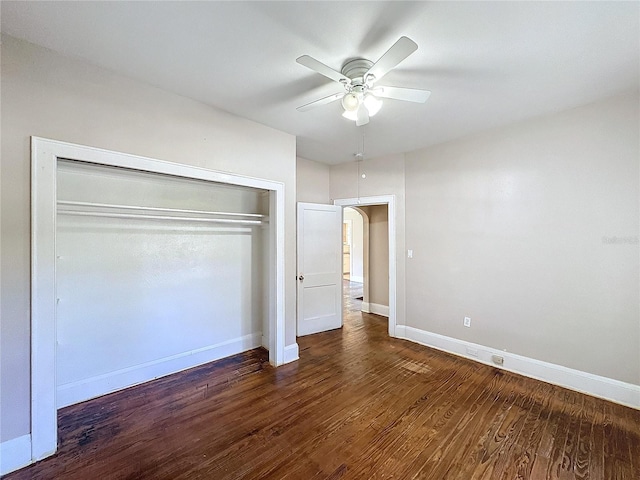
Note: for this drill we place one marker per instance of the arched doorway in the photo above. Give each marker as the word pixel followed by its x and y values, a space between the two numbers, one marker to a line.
pixel 366 256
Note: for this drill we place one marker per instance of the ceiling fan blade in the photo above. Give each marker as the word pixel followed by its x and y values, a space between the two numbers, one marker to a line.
pixel 363 115
pixel 406 94
pixel 322 69
pixel 322 101
pixel 397 53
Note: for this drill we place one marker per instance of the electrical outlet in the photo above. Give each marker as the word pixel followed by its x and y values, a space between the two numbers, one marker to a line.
pixel 467 322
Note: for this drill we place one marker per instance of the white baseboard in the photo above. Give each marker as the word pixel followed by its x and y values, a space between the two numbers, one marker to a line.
pixel 291 353
pixel 15 454
pixel 375 308
pixel 595 385
pixel 71 393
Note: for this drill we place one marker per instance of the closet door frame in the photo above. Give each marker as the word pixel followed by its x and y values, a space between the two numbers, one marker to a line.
pixel 44 159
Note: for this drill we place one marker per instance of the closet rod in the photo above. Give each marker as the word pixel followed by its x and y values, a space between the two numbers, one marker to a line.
pixel 156 209
pixel 161 217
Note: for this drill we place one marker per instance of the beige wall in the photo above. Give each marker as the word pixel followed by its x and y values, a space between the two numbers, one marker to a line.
pixel 378 255
pixel 515 228
pixel 312 180
pixel 48 95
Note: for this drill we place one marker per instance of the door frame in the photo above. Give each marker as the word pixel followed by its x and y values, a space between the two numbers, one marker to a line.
pixel 44 160
pixel 390 201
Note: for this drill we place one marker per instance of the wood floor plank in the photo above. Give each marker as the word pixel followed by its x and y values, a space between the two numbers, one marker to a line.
pixel 525 463
pixel 308 436
pixel 609 447
pixel 518 459
pixel 473 452
pixel 491 443
pixel 505 446
pixel 562 420
pixel 458 427
pixel 583 453
pixel 568 453
pixel 623 465
pixel 632 439
pixel 357 405
pixel 596 455
pixel 408 408
pixel 368 426
pixel 403 459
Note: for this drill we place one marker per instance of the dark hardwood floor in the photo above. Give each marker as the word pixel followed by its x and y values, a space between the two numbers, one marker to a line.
pixel 357 405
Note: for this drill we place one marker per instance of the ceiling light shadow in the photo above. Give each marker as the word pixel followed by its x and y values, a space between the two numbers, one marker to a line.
pixel 301 90
pixel 389 24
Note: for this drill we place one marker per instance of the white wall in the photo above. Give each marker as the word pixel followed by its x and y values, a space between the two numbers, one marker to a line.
pixel 126 285
pixel 312 180
pixel 49 95
pixel 532 231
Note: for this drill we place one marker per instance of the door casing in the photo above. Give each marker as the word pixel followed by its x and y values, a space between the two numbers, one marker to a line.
pixel 390 201
pixel 44 158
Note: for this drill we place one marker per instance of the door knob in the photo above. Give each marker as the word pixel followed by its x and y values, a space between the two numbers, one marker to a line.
pixel 301 277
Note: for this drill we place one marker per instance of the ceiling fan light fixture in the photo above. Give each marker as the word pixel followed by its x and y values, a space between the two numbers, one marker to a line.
pixel 372 103
pixel 359 76
pixel 350 102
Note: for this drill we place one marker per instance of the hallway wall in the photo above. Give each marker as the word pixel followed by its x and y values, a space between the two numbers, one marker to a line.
pixel 378 255
pixel 357 244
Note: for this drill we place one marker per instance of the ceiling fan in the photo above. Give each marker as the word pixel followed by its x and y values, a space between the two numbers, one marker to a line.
pixel 361 98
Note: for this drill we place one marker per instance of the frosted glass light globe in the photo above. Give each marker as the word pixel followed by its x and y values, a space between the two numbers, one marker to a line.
pixel 350 102
pixel 372 103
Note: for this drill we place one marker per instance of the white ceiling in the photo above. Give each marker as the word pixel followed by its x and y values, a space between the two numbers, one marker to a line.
pixel 486 63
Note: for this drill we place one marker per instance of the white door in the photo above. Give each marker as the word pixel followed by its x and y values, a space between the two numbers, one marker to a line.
pixel 319 268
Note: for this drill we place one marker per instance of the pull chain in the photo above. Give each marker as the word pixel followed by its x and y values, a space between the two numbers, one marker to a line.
pixel 359 159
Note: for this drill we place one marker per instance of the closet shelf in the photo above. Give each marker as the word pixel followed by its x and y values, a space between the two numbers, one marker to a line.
pixel 91 209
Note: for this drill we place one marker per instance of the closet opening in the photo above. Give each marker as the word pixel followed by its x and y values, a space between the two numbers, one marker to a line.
pixel 142 268
pixel 155 274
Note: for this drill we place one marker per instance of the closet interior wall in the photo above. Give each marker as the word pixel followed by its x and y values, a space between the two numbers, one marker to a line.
pixel 155 274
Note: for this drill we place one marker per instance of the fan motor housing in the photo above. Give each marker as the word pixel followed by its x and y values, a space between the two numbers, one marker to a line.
pixel 355 70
